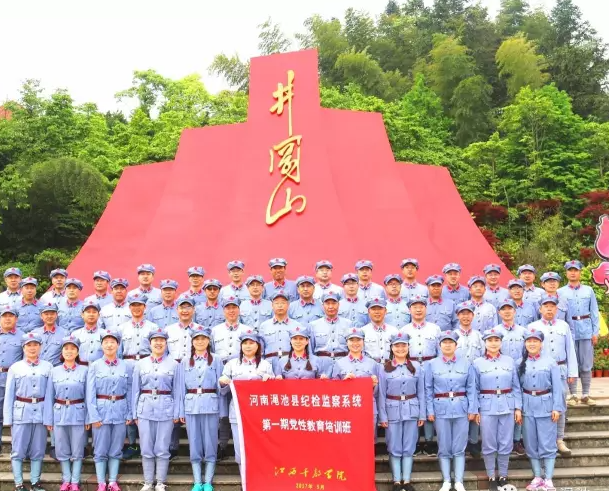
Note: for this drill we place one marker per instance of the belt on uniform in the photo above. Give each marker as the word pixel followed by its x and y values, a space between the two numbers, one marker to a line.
pixel 179 360
pixel 271 355
pixel 403 397
pixel 330 354
pixel 536 392
pixel 83 363
pixel 134 357
pixel 496 391
pixel 155 392
pixel 67 402
pixel 450 394
pixel 580 317
pixel 3 369
pixel 201 391
pixel 110 398
pixel 225 361
pixel 32 400
pixel 561 362
pixel 422 358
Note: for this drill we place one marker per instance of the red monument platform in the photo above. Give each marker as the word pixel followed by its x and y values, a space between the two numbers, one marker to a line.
pixel 297 181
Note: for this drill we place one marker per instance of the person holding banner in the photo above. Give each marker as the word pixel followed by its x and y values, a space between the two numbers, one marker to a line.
pixel 500 402
pixel 356 365
pixel 542 402
pixel 401 408
pixel 108 398
pixel 249 365
pixel 450 393
pixel 225 345
pixel 157 401
pixel 299 363
pixel 201 408
pixel 65 412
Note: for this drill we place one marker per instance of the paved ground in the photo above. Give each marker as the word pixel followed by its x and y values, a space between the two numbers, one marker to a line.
pixel 600 388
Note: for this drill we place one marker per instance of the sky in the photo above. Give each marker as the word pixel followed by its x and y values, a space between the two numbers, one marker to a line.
pixel 92 47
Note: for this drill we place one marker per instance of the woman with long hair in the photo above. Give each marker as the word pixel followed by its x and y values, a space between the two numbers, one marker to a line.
pixel 450 393
pixel 401 408
pixel 500 404
pixel 249 365
pixel 65 412
pixel 201 408
pixel 299 363
pixel 542 402
pixel 357 365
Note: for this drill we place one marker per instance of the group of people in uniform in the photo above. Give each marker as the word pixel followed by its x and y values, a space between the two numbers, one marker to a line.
pixel 489 370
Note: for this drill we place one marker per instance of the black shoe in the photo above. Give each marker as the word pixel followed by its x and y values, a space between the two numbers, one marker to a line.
pixel 36 487
pixel 88 452
pixel 502 482
pixel 492 484
pixel 519 448
pixel 397 486
pixel 20 487
pixel 173 454
pixel 222 454
pixel 418 449
pixel 52 454
pixel 475 450
pixel 407 486
pixel 429 449
pixel 131 452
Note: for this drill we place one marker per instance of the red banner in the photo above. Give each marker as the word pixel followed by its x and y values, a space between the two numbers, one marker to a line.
pixel 306 434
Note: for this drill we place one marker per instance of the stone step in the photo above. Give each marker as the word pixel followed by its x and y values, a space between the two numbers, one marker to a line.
pixel 581 457
pixel 602 408
pixel 574 439
pixel 585 439
pixel 587 423
pixel 587 478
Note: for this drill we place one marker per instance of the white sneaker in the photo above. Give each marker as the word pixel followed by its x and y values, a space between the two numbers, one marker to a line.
pixel 447 486
pixel 459 486
pixel 160 486
pixel 147 486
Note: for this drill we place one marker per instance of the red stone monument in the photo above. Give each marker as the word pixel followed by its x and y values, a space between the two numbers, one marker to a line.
pixel 297 181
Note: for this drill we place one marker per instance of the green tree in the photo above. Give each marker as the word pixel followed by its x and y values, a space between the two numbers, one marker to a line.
pixel 271 39
pixel 65 198
pixel 471 108
pixel 449 65
pixel 520 64
pixel 511 17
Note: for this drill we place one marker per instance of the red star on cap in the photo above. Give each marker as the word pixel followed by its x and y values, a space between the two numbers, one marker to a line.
pixel 399 334
pixel 297 328
pixel 31 335
pixel 354 330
